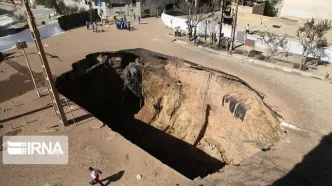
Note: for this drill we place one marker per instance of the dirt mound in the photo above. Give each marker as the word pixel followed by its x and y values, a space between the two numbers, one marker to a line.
pixel 212 111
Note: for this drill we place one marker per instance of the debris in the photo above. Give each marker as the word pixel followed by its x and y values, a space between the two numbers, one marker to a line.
pixel 138 176
pixel 179 83
pixel 259 144
pixel 133 78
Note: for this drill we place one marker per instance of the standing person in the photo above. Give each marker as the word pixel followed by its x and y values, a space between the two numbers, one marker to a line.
pixel 139 19
pixel 125 18
pixel 94 172
pixel 247 28
pixel 134 16
pixel 87 25
pixel 93 26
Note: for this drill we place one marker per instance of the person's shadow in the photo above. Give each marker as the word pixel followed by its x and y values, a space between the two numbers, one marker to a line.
pixel 110 179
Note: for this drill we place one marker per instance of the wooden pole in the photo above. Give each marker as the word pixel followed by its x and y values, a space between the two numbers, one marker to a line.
pixel 29 67
pixel 234 27
pixel 206 24
pixel 57 105
pixel 220 23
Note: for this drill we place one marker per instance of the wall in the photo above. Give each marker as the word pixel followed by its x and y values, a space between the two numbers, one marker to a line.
pixel 292 47
pixel 127 9
pixel 305 9
pixel 246 9
pixel 259 9
pixel 155 7
pixel 45 31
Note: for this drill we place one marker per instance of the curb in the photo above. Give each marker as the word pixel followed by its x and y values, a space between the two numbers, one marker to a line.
pixel 258 62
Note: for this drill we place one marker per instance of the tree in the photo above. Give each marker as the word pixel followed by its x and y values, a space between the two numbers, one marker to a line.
pixel 312 38
pixel 274 43
pixel 270 8
pixel 50 4
pixel 211 28
pixel 194 14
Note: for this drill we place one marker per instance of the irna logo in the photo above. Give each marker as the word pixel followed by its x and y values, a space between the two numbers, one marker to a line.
pixel 35 150
pixel 31 148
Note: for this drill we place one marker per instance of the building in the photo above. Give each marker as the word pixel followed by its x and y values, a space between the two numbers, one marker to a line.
pixel 143 8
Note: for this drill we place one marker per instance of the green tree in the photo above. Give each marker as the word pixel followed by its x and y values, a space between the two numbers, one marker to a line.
pixel 270 8
pixel 312 38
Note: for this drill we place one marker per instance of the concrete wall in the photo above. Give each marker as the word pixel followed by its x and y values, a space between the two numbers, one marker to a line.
pixel 126 10
pixel 258 9
pixel 305 9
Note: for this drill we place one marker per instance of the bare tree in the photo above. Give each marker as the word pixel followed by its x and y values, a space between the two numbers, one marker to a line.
pixel 312 38
pixel 194 15
pixel 276 45
pixel 211 28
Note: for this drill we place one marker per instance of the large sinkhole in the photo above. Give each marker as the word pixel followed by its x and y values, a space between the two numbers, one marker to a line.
pixel 194 119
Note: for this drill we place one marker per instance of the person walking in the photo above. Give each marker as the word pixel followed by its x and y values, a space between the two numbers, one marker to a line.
pixel 139 19
pixel 93 26
pixel 247 28
pixel 94 172
pixel 134 16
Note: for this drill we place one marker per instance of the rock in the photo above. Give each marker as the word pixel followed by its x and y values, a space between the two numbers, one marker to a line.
pixel 138 176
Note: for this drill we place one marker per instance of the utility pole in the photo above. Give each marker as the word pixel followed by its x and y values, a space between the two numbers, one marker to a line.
pixel 57 105
pixel 234 27
pixel 221 18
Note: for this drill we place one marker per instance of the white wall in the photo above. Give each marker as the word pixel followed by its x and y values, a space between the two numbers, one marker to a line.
pixel 48 30
pixel 305 9
pixel 128 9
pixel 292 47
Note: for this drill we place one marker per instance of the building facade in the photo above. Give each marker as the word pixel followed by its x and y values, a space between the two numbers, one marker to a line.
pixel 143 8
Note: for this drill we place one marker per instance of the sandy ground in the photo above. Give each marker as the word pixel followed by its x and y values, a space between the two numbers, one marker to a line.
pixel 301 100
pixel 89 145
